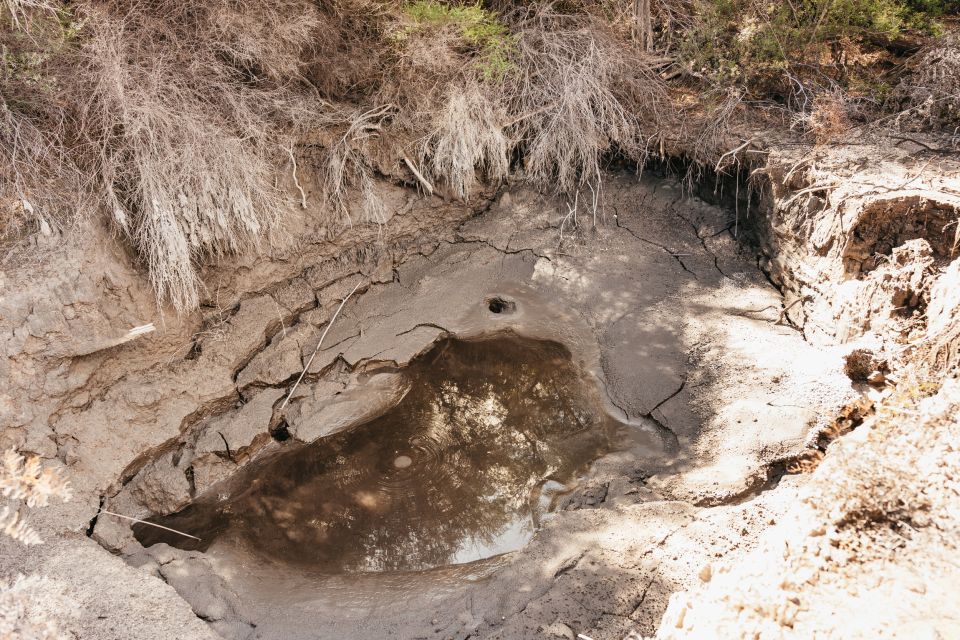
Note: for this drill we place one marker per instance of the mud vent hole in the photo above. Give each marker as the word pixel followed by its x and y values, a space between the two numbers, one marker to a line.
pixel 489 438
pixel 499 305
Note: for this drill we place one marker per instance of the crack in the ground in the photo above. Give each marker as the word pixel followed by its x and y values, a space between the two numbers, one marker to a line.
pixel 666 431
pixel 96 516
pixel 227 445
pixel 303 358
pixel 673 395
pixel 643 596
pixel 703 243
pixel 673 254
pixel 458 239
pixel 424 324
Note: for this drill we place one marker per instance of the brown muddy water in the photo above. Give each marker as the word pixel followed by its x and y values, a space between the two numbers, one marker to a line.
pixel 490 438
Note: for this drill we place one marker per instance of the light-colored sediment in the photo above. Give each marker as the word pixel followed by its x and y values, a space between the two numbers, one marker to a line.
pixel 675 321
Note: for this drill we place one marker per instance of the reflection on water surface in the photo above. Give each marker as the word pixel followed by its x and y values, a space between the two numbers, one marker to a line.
pixel 461 469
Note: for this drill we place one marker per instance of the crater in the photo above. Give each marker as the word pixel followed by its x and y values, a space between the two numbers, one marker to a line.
pixel 500 305
pixel 490 437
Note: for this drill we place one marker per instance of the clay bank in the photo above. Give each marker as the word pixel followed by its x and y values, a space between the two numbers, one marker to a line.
pixel 522 420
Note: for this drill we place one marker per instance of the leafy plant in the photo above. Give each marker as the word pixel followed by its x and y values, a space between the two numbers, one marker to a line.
pixel 772 46
pixel 479 28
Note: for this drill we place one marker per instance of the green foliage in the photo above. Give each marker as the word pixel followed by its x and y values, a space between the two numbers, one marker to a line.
pixel 757 42
pixel 27 44
pixel 480 29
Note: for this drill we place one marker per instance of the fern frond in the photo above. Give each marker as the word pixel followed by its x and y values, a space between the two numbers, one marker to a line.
pixel 14 526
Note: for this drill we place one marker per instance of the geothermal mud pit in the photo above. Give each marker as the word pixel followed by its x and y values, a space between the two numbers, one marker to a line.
pixel 487 440
pixel 508 432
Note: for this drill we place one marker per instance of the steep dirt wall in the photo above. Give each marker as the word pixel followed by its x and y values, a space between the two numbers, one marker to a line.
pixel 863 239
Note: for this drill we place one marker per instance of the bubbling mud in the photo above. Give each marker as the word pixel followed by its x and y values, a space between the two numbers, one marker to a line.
pixel 491 434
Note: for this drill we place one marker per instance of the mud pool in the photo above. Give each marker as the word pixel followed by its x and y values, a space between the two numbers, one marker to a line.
pixel 415 486
pixel 488 440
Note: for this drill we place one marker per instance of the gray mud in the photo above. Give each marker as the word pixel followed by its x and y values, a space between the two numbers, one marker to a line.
pixel 487 438
pixel 659 307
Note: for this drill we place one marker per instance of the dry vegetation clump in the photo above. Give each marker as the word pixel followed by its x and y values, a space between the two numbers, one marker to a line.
pixel 474 89
pixel 829 117
pixel 826 64
pixel 930 92
pixel 25 481
pixel 347 162
pixel 577 93
pixel 31 608
pixel 347 55
pixel 468 135
pixel 448 60
pixel 34 608
pixel 169 116
pixel 180 106
pixel 36 174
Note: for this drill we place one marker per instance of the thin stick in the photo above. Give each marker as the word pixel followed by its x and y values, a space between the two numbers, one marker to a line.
pixel 419 176
pixel 732 152
pixel 152 524
pixel 315 351
pixel 296 182
pixel 809 190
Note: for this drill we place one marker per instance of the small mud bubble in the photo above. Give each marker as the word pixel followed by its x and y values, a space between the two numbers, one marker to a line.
pixel 464 467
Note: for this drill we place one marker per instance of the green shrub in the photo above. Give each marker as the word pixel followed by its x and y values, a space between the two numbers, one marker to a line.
pixel 480 29
pixel 770 46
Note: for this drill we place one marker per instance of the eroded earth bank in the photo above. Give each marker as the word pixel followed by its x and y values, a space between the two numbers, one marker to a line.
pixel 709 355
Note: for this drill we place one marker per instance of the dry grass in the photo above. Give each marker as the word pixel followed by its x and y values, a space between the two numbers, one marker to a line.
pixel 468 134
pixel 347 164
pixel 183 137
pixel 558 90
pixel 167 115
pixel 173 118
pixel 577 93
pixel 35 174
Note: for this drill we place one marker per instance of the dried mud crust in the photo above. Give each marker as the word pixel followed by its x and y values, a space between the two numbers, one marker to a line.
pixel 657 303
pixel 866 252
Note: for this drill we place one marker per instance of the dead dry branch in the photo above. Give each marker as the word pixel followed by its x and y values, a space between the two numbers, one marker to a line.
pixel 576 94
pixel 467 137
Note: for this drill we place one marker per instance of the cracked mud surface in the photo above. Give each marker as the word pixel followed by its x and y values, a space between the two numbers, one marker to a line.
pixel 678 328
